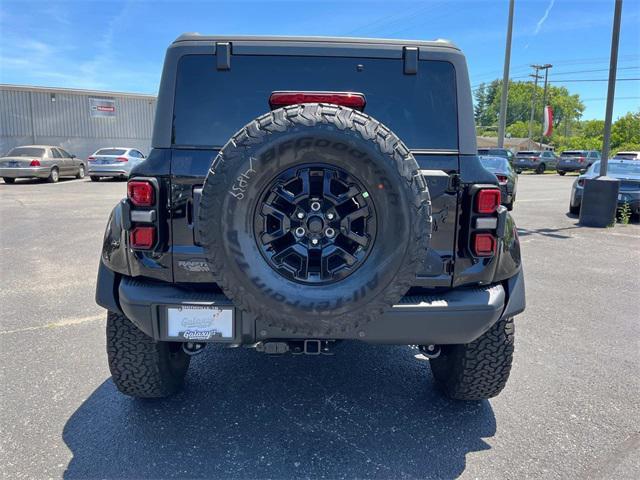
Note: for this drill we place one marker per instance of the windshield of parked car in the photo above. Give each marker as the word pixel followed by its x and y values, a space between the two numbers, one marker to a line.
pixel 575 153
pixel 495 164
pixel 26 152
pixel 619 168
pixel 528 153
pixel 110 151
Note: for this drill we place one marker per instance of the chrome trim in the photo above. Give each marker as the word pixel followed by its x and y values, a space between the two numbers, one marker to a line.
pixel 143 216
pixel 486 223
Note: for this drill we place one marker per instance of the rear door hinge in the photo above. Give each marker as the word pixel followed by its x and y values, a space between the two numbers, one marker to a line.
pixel 223 55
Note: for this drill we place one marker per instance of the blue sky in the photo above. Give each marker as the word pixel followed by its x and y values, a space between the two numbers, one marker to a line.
pixel 119 46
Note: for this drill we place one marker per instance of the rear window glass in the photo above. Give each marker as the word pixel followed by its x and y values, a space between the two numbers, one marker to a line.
pixel 26 152
pixel 528 153
pixel 494 163
pixel 615 168
pixel 627 155
pixel 211 105
pixel 572 154
pixel 110 151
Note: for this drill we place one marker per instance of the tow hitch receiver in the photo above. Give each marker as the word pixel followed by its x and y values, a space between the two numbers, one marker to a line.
pixel 296 347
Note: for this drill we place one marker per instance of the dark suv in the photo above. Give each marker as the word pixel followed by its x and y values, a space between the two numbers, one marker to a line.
pixel 304 191
pixel 497 152
pixel 537 161
pixel 576 161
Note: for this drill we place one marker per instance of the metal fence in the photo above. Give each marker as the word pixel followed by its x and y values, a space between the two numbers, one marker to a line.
pixel 79 121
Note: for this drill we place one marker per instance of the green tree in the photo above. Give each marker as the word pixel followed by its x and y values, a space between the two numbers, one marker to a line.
pixel 626 130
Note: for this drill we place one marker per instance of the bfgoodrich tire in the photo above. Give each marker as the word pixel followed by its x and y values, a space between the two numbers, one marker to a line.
pixel 141 367
pixel 305 160
pixel 478 370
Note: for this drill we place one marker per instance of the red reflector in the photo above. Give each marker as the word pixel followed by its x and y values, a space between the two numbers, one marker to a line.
pixel 502 178
pixel 581 159
pixel 122 159
pixel 142 237
pixel 487 201
pixel 484 244
pixel 91 159
pixel 34 163
pixel 140 193
pixel 346 99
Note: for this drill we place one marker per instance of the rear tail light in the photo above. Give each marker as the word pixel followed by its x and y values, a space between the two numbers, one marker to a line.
pixel 581 159
pixel 142 237
pixel 91 159
pixel 346 99
pixel 502 178
pixel 141 193
pixel 34 163
pixel 487 200
pixel 484 244
pixel 535 159
pixel 122 159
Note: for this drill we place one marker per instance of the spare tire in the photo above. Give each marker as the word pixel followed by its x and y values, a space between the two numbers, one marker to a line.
pixel 315 218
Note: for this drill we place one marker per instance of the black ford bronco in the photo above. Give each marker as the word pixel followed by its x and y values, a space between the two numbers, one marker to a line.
pixel 303 191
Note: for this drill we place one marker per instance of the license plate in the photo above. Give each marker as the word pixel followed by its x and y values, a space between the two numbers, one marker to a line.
pixel 199 323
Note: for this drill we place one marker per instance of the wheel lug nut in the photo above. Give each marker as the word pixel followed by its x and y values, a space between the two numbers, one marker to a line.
pixel 314 241
pixel 330 216
pixel 315 206
pixel 300 215
pixel 330 232
pixel 299 232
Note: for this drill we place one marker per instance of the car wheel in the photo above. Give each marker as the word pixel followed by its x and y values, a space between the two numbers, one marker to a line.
pixel 80 174
pixel 9 180
pixel 518 172
pixel 477 370
pixel 574 210
pixel 562 174
pixel 94 178
pixel 54 176
pixel 141 367
pixel 541 168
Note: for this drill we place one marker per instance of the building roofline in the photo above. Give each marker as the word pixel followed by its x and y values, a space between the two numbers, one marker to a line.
pixel 78 91
pixel 195 37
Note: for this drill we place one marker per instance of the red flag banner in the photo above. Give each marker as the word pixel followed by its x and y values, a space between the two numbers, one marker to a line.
pixel 548 121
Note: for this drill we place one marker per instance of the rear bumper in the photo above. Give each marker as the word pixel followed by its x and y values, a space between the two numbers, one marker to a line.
pixel 96 172
pixel 526 165
pixel 453 317
pixel 571 167
pixel 25 172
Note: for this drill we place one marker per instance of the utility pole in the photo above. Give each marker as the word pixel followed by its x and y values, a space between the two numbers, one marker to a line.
pixel 502 120
pixel 546 68
pixel 600 194
pixel 533 101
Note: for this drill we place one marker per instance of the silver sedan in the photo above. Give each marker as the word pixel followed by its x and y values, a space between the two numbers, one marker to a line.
pixel 113 162
pixel 40 161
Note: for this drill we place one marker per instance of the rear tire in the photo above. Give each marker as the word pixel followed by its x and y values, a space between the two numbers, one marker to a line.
pixel 9 180
pixel 80 174
pixel 477 370
pixel 541 168
pixel 94 178
pixel 562 174
pixel 54 176
pixel 574 210
pixel 141 367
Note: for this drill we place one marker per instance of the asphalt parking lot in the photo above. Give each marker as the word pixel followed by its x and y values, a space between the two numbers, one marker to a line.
pixel 570 409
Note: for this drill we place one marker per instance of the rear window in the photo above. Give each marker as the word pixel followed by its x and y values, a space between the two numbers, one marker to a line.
pixel 25 152
pixel 619 168
pixel 211 105
pixel 576 153
pixel 627 155
pixel 528 153
pixel 110 151
pixel 494 163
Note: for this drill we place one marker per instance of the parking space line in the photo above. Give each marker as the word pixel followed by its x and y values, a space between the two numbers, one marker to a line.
pixel 62 323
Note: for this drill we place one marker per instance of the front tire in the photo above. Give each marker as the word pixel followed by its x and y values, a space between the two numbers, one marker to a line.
pixel 541 168
pixel 562 174
pixel 141 367
pixel 9 180
pixel 574 210
pixel 478 370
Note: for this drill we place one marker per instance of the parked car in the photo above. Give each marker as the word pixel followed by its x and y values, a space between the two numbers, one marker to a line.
pixel 576 161
pixel 506 175
pixel 497 152
pixel 535 160
pixel 113 162
pixel 291 199
pixel 629 155
pixel 40 161
pixel 628 171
